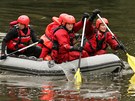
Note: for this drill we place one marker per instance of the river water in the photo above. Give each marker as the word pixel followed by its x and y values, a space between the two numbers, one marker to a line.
pixel 121 87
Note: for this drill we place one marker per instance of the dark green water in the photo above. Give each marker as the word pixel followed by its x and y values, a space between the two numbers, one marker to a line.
pixel 120 14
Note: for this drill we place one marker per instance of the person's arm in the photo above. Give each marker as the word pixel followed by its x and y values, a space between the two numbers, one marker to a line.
pixel 94 15
pixel 90 28
pixel 111 41
pixel 63 40
pixel 33 36
pixel 3 46
pixel 79 25
pixel 10 35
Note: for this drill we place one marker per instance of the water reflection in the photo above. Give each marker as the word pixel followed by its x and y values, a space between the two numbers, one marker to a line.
pixel 26 88
pixel 47 93
pixel 122 23
pixel 131 88
pixel 121 17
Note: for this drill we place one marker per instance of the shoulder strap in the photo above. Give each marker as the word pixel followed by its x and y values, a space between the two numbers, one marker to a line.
pixel 56 29
pixel 90 44
pixel 100 42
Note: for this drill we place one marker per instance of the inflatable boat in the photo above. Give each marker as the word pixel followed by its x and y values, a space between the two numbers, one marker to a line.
pixel 107 63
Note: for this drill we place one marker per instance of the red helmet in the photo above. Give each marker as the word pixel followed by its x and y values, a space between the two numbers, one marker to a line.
pixel 62 15
pixel 68 19
pixel 23 19
pixel 60 19
pixel 98 22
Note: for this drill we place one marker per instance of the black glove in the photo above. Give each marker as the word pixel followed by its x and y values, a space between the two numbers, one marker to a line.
pixel 3 56
pixel 80 49
pixel 96 11
pixel 55 45
pixel 85 15
pixel 76 49
pixel 41 41
pixel 94 14
pixel 121 46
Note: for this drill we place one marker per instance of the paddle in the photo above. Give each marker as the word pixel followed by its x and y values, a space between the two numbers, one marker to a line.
pixel 131 59
pixel 77 76
pixel 22 49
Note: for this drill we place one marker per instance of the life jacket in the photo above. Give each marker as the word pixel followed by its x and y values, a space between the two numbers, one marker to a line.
pixel 99 43
pixel 71 33
pixel 50 29
pixel 47 41
pixel 49 33
pixel 21 41
pixel 71 36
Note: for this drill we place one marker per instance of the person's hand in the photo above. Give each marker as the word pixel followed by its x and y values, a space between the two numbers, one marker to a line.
pixel 41 41
pixel 120 46
pixel 85 15
pixel 96 11
pixel 76 49
pixel 80 49
pixel 3 56
pixel 94 14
